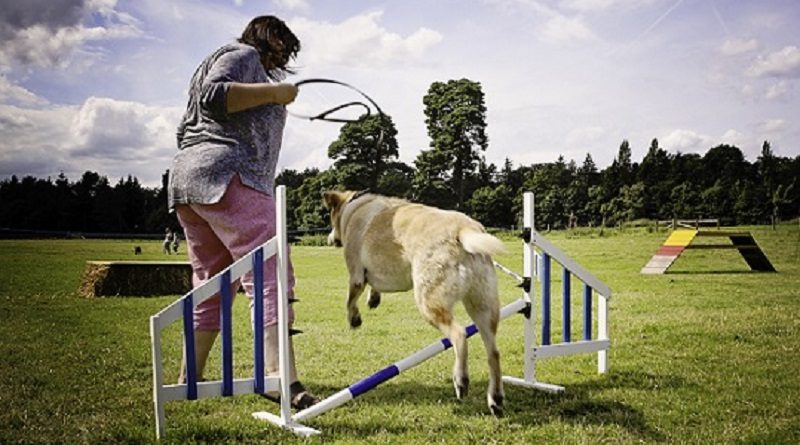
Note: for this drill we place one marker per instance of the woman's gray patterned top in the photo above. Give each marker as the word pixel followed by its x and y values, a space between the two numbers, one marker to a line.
pixel 214 145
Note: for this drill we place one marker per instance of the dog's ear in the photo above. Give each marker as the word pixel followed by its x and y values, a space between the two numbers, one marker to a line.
pixel 331 199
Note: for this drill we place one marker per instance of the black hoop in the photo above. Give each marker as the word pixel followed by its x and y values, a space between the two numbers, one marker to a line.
pixel 323 116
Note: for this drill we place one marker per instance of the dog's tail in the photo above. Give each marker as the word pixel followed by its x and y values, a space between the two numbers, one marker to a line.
pixel 480 243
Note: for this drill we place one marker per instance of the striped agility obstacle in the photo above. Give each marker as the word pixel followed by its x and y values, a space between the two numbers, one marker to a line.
pixel 680 240
pixel 221 283
pixel 538 256
pixel 536 250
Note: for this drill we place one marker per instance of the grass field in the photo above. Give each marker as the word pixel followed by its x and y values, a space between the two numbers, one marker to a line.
pixel 709 353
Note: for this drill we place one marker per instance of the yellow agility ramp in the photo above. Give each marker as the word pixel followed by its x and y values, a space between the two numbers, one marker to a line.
pixel 680 240
pixel 672 248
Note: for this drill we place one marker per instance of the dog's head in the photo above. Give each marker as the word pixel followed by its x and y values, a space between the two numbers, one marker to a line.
pixel 335 202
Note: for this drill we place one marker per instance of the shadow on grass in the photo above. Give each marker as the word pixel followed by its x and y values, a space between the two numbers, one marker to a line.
pixel 714 272
pixel 580 404
pixel 788 435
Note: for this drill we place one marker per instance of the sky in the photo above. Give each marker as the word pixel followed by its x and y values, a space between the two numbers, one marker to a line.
pixel 101 85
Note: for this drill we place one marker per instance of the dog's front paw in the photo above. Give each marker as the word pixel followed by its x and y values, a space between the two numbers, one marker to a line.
pixel 374 299
pixel 355 321
pixel 461 386
pixel 496 405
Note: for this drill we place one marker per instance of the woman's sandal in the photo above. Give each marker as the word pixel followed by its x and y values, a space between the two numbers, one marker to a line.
pixel 301 399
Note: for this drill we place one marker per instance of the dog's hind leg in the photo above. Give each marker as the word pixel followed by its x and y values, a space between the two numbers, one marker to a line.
pixel 485 312
pixel 441 317
pixel 374 298
pixel 353 314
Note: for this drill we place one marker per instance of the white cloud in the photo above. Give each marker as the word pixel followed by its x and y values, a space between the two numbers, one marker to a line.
pixel 113 138
pixel 293 5
pixel 603 5
pixel 15 94
pixel 123 130
pixel 733 137
pixel 748 90
pixel 43 45
pixel 585 135
pixel 32 140
pixel 771 126
pixel 735 47
pixel 686 141
pixel 558 27
pixel 783 63
pixel 360 41
pixel 563 29
pixel 777 90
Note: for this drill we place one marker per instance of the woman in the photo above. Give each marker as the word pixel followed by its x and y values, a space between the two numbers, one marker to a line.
pixel 222 177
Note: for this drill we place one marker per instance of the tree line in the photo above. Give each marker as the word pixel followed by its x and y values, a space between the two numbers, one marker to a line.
pixel 453 174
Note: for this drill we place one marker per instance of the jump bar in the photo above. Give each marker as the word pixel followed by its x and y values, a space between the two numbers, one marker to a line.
pixel 385 374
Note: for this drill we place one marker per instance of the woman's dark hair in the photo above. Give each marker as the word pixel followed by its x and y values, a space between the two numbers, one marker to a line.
pixel 276 43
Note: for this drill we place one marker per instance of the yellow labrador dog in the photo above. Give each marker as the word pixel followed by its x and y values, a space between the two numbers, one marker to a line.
pixel 394 245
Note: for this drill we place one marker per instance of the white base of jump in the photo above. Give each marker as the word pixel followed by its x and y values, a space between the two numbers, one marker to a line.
pixel 296 428
pixel 578 347
pixel 546 387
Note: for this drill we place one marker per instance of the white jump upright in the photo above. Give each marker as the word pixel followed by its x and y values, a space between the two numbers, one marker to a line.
pixel 534 351
pixel 537 256
pixel 221 284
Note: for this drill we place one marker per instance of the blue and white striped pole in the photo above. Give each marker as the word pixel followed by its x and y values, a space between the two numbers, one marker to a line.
pixel 369 383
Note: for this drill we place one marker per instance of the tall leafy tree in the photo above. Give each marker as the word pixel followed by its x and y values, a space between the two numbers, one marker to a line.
pixel 295 193
pixel 619 173
pixel 363 151
pixel 549 183
pixel 431 181
pixel 455 115
pixel 654 173
pixel 723 166
pixel 767 169
pixel 492 206
pixel 589 180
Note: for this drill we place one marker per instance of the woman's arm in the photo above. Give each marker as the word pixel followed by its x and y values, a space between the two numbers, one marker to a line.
pixel 242 96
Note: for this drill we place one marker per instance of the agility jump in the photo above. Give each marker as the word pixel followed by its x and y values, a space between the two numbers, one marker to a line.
pixel 681 239
pixel 260 383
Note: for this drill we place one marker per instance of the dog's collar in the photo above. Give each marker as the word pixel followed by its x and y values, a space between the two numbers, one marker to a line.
pixel 359 194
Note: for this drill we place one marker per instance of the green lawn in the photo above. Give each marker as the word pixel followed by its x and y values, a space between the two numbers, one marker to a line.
pixel 709 353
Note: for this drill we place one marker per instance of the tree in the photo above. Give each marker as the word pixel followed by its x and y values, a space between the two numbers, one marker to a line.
pixel 767 169
pixel 456 121
pixel 294 181
pixel 726 164
pixel 310 213
pixel 492 206
pixel 618 175
pixel 430 184
pixel 549 184
pixel 587 179
pixel 685 199
pixel 654 173
pixel 363 151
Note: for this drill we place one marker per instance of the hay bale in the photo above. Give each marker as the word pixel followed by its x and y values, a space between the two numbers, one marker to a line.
pixel 135 278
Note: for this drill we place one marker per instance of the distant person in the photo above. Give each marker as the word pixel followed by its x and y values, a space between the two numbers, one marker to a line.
pixel 167 241
pixel 222 177
pixel 176 242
